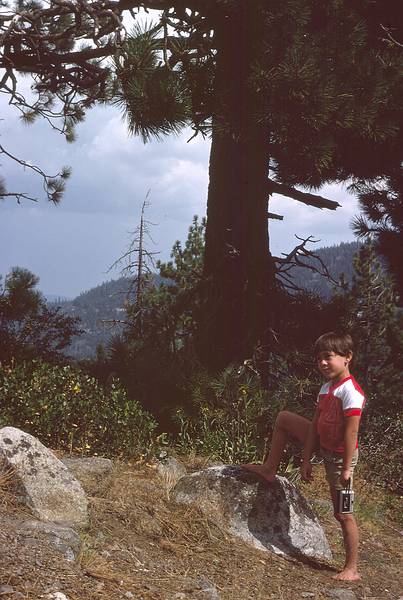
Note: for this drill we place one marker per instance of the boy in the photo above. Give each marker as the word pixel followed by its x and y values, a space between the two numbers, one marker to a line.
pixel 335 426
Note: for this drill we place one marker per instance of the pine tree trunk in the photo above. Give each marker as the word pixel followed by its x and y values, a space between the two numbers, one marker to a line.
pixel 238 265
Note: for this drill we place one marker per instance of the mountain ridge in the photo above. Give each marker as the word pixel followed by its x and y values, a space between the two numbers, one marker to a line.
pixel 102 308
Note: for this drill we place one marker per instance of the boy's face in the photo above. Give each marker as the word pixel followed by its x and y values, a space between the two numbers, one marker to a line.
pixel 333 366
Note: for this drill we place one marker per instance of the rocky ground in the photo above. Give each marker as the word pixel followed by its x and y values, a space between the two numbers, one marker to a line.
pixel 141 546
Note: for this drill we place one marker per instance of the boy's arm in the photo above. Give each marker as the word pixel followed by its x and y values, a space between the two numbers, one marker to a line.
pixel 309 446
pixel 350 442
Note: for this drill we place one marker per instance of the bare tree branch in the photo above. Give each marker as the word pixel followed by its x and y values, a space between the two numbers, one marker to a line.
pixel 311 199
pixel 288 262
pixel 18 196
pixel 271 215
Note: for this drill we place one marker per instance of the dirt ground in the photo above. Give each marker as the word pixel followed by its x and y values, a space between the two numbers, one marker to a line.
pixel 140 546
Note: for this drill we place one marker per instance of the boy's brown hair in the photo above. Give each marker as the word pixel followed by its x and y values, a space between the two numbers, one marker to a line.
pixel 339 343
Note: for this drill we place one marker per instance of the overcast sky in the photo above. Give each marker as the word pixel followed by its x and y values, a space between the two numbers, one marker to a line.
pixel 71 246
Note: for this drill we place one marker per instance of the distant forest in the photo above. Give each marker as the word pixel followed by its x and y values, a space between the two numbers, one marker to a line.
pixel 102 309
pixel 102 313
pixel 339 261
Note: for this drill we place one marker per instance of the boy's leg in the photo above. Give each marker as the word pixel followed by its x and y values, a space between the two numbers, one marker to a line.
pixel 350 537
pixel 334 466
pixel 287 425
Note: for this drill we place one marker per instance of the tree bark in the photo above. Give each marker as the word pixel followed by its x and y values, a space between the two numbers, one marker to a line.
pixel 238 266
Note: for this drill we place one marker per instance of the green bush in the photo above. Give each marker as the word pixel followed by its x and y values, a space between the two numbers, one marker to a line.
pixel 381 449
pixel 223 422
pixel 233 415
pixel 66 408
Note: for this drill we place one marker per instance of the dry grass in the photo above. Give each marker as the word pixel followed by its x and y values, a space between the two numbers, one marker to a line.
pixel 7 479
pixel 140 542
pixel 9 494
pixel 168 480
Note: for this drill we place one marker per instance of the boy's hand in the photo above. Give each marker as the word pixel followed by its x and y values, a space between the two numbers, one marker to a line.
pixel 345 476
pixel 306 471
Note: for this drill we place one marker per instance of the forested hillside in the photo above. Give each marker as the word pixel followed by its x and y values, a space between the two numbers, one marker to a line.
pixel 102 314
pixel 102 309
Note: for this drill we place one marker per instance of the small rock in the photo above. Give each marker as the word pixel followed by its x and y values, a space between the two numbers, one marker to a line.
pixel 199 588
pixel 208 591
pixel 170 470
pixel 57 596
pixel 6 589
pixel 31 542
pixel 64 539
pixel 342 594
pixel 94 466
pixel 48 591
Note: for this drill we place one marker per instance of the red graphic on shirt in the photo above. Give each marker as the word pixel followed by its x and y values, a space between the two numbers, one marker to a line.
pixel 331 423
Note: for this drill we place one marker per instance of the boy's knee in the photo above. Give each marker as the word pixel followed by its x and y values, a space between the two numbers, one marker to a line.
pixel 283 417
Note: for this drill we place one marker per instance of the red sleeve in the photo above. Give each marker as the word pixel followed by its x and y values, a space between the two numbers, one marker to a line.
pixel 352 412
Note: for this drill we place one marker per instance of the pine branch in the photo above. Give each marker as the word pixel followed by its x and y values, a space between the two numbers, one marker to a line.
pixel 18 196
pixel 305 197
pixel 52 184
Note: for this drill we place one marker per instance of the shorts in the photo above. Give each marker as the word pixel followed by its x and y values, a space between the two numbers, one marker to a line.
pixel 334 466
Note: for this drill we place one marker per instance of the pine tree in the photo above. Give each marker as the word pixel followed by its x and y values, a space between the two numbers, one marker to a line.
pixel 172 310
pixel 375 322
pixel 381 222
pixel 161 356
pixel 28 327
pixel 293 92
pixel 301 113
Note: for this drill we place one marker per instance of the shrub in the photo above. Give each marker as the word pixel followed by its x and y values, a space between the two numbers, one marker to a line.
pixel 381 449
pixel 233 414
pixel 66 408
pixel 223 422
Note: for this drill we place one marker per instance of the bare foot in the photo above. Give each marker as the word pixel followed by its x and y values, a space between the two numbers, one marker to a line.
pixel 348 575
pixel 261 471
